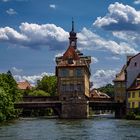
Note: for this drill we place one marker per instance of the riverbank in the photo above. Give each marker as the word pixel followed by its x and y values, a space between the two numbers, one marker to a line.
pixel 137 117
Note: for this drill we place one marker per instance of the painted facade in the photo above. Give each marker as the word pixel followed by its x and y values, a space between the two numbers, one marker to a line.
pixel 134 94
pixel 133 84
pixel 134 99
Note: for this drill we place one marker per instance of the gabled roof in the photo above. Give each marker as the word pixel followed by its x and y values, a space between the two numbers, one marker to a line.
pixel 24 85
pixel 70 53
pixel 120 76
pixel 135 86
pixel 132 58
pixel 97 94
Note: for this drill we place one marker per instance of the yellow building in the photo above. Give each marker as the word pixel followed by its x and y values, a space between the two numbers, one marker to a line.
pixel 133 94
pixel 120 86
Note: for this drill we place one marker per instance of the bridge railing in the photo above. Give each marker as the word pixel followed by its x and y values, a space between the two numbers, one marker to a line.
pixel 101 99
pixel 39 98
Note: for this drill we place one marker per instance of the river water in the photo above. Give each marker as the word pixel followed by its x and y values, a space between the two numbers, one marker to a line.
pixel 58 129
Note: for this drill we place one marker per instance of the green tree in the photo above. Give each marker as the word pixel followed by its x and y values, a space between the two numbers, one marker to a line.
pixel 38 93
pixel 8 95
pixel 7 110
pixel 48 84
pixel 108 89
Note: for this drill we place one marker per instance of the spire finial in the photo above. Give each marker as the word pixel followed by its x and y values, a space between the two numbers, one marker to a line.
pixel 72 24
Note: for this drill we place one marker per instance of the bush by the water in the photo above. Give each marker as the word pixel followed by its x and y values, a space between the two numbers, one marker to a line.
pixel 38 93
pixel 131 115
pixel 8 95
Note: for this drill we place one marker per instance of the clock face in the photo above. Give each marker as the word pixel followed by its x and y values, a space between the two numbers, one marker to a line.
pixel 73 43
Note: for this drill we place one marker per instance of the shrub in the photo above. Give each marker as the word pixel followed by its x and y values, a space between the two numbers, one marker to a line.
pixel 131 115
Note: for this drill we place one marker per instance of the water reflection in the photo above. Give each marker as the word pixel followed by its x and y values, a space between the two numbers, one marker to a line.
pixel 57 129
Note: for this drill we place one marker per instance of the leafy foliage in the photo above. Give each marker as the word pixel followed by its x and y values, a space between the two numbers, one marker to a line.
pixel 8 95
pixel 108 89
pixel 131 115
pixel 48 84
pixel 38 93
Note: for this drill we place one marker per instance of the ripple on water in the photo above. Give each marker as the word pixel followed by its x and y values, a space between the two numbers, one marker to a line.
pixel 59 129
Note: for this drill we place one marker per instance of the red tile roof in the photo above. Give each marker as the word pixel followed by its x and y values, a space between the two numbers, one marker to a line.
pixel 70 53
pixel 97 94
pixel 24 85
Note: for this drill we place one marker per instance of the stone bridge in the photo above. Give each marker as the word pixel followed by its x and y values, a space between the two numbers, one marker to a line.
pixel 43 102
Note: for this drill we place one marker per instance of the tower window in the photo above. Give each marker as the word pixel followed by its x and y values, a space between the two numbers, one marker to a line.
pixel 63 88
pixel 64 72
pixel 71 87
pixel 128 105
pixel 129 94
pixel 79 87
pixel 133 94
pixel 78 72
pixel 133 104
pixel 135 64
pixel 70 61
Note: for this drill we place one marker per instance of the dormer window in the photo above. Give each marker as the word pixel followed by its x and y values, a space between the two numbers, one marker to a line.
pixel 137 82
pixel 135 64
pixel 70 61
pixel 64 72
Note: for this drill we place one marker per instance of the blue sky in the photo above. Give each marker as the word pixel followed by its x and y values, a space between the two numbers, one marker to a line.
pixel 33 32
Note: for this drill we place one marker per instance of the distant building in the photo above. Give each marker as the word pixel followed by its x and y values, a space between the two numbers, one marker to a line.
pixel 127 83
pixel 120 86
pixel 133 82
pixel 134 94
pixel 133 69
pixel 24 85
pixel 73 74
pixel 94 93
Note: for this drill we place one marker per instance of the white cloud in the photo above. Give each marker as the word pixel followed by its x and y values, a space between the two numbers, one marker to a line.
pixel 31 79
pixel 103 77
pixel 11 11
pixel 5 0
pixel 53 6
pixel 59 54
pixel 94 60
pixel 113 58
pixel 120 17
pixel 55 38
pixel 124 23
pixel 16 70
pixel 136 1
pixel 35 35
pixel 13 0
pixel 128 36
pixel 91 41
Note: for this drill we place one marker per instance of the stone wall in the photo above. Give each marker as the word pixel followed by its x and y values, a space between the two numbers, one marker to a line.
pixel 75 109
